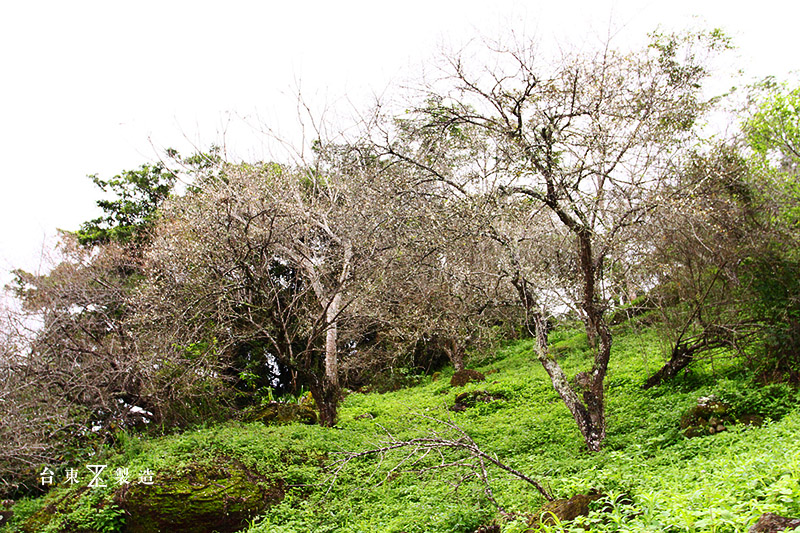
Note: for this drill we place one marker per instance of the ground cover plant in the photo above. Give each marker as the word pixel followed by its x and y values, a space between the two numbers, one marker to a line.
pixel 651 475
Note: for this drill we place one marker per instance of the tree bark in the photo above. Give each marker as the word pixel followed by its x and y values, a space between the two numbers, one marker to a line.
pixel 682 356
pixel 326 396
pixel 454 353
pixel 590 416
pixel 331 337
pixel 328 392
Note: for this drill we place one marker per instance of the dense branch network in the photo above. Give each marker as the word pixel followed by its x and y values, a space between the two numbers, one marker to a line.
pixel 466 456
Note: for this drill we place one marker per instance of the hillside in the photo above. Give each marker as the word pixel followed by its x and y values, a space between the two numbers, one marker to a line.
pixel 287 478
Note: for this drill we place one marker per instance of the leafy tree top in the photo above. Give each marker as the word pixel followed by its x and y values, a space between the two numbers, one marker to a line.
pixel 774 129
pixel 128 217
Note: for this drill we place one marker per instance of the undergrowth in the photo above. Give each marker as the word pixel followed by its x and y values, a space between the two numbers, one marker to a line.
pixel 653 477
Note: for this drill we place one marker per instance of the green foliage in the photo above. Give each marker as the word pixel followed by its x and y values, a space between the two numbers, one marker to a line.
pixel 773 273
pixel 130 214
pixel 775 280
pixel 774 400
pixel 23 510
pixel 95 513
pixel 655 479
pixel 569 342
pixel 773 131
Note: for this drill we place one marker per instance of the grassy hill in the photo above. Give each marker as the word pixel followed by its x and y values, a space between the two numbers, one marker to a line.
pixel 287 478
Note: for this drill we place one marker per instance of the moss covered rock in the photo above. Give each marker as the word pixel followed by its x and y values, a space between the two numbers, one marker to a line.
pixel 466 400
pixel 219 497
pixel 707 417
pixel 565 509
pixel 462 377
pixel 283 413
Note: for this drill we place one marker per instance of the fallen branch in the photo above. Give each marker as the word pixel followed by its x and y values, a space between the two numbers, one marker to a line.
pixel 476 461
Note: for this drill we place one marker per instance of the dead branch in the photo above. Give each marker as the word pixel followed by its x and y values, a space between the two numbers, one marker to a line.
pixel 469 457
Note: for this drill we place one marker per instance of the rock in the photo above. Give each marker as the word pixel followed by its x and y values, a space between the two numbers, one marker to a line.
pixel 471 399
pixel 462 377
pixel 568 509
pixel 220 497
pixel 282 413
pixel 708 417
pixel 752 420
pixel 771 523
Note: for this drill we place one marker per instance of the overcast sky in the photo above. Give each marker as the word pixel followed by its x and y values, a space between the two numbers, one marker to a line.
pixel 98 87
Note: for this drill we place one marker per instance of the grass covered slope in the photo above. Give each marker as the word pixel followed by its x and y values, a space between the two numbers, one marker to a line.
pixel 287 478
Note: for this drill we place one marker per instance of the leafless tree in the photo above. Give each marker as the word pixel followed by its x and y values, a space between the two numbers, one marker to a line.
pixel 584 141
pixel 276 256
pixel 67 358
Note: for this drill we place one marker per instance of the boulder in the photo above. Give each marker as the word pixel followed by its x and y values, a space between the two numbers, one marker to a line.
pixel 568 509
pixel 771 523
pixel 462 377
pixel 276 413
pixel 219 497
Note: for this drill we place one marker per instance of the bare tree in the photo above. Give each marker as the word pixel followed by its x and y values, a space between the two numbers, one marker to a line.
pixel 275 256
pixel 69 373
pixel 584 141
pixel 78 344
pixel 445 286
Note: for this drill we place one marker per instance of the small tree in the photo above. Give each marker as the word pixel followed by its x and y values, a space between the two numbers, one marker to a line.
pixel 130 215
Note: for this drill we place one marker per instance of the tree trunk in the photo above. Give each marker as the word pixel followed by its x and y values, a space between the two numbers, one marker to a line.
pixel 331 337
pixel 326 396
pixel 589 417
pixel 600 335
pixel 454 353
pixel 589 414
pixel 594 394
pixel 526 297
pixel 682 355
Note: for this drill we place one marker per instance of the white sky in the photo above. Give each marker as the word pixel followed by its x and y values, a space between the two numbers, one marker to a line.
pixel 99 87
